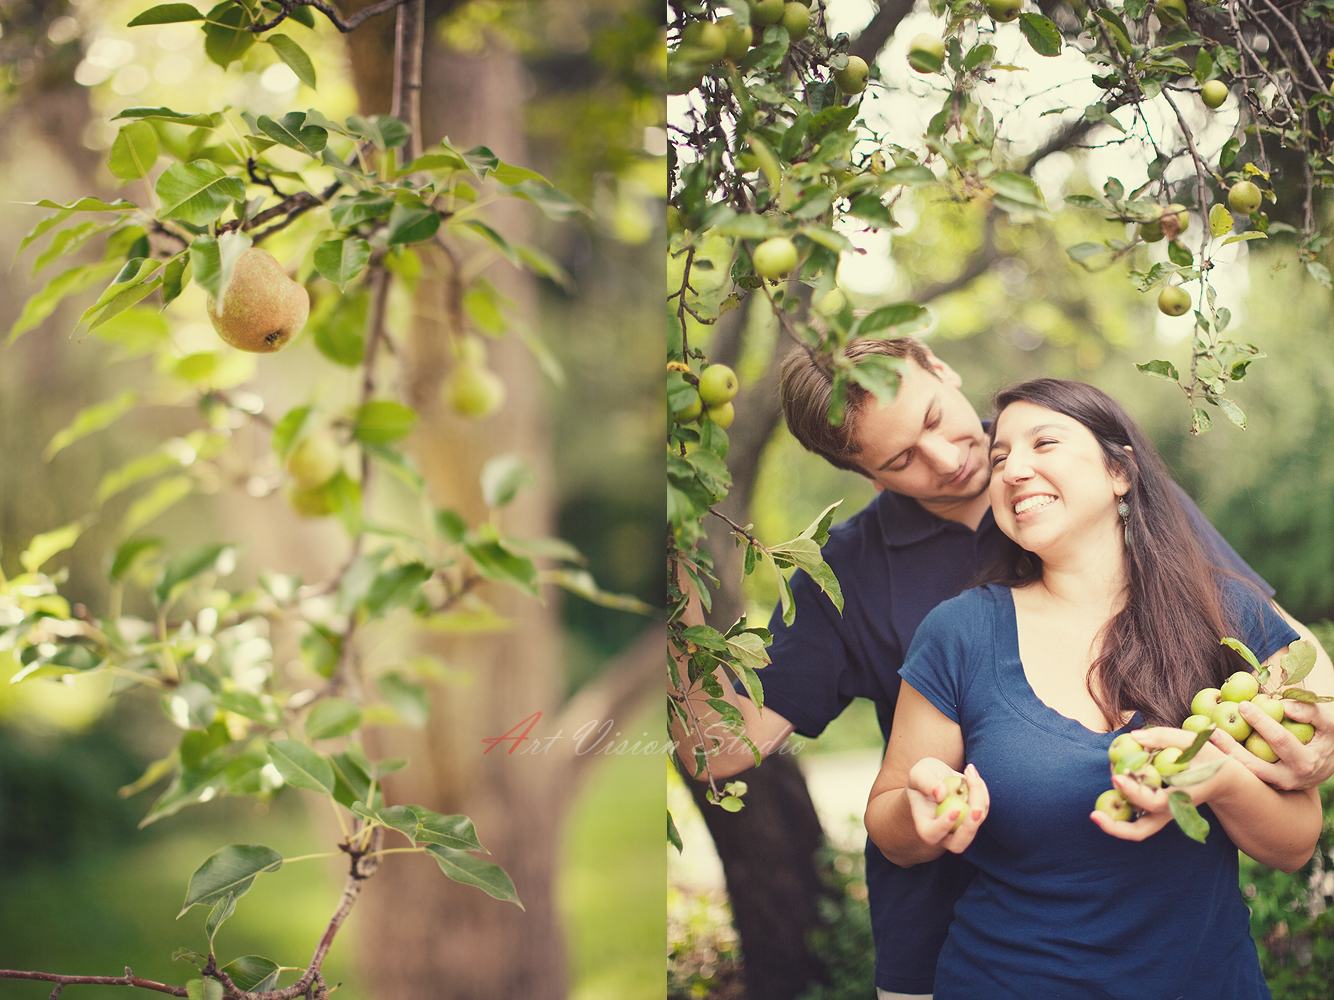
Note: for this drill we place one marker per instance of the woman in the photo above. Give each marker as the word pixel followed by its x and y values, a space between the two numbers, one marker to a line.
pixel 1100 621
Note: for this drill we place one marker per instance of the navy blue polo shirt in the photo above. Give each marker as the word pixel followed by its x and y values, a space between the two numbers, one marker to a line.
pixel 895 562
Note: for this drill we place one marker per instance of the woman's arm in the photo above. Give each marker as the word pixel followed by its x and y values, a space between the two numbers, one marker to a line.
pixel 925 751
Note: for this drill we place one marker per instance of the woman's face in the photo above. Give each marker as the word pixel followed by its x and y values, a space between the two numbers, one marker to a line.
pixel 1049 483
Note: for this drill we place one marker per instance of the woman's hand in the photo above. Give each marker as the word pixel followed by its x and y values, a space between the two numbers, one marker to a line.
pixel 1153 802
pixel 929 782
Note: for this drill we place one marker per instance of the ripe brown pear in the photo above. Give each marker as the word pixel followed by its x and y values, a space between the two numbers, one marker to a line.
pixel 263 308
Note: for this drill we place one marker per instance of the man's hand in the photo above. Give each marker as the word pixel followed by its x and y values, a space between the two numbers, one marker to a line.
pixel 1298 766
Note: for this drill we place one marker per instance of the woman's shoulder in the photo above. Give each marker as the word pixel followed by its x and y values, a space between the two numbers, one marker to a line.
pixel 971 607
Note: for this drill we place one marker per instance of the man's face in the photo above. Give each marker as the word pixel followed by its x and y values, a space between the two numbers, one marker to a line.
pixel 928 444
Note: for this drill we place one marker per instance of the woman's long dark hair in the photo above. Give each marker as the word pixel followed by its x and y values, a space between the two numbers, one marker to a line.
pixel 1162 647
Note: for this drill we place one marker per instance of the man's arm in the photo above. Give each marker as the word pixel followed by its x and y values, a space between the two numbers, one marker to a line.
pixel 1298 766
pixel 765 728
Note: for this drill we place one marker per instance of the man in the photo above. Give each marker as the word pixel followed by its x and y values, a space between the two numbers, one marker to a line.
pixel 921 541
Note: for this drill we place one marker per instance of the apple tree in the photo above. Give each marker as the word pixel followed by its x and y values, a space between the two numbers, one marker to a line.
pixel 793 143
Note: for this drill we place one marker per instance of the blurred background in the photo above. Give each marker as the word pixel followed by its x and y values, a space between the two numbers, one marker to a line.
pixel 1007 303
pixel 569 89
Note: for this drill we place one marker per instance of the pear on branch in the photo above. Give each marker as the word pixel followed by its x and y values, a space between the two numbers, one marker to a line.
pixel 262 308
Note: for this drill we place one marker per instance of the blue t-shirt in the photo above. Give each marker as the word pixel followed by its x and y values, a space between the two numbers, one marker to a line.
pixel 1059 908
pixel 895 562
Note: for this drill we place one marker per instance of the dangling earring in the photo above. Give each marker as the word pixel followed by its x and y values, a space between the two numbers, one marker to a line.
pixel 1123 509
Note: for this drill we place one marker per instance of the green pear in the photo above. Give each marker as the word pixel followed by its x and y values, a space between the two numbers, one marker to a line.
pixel 308 501
pixel 1241 686
pixel 262 308
pixel 315 460
pixel 474 391
pixel 1227 717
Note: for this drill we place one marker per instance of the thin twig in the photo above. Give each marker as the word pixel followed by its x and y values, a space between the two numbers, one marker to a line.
pixel 328 10
pixel 1301 46
pixel 129 979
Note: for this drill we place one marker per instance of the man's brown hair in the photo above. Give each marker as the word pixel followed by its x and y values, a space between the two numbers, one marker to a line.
pixel 805 389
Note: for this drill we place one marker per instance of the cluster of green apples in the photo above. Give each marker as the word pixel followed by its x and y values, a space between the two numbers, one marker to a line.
pixel 1149 768
pixel 1220 707
pixel 926 52
pixel 705 43
pixel 713 395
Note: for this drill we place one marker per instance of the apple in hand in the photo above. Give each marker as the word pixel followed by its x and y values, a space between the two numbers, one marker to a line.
pixel 951 803
pixel 1114 804
pixel 1227 717
pixel 1259 746
pixel 1165 761
pixel 1241 686
pixel 1304 731
pixel 1197 723
pixel 1271 706
pixel 1122 746
pixel 1205 702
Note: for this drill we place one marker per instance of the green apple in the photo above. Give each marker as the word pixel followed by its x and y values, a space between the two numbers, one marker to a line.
pixel 851 79
pixel 797 20
pixel 473 391
pixel 1241 686
pixel 1121 746
pixel 692 411
pixel 739 36
pixel 926 53
pixel 1165 761
pixel 1174 301
pixel 703 42
pixel 315 460
pixel 951 803
pixel 1114 804
pixel 831 303
pixel 1148 776
pixel 1271 706
pixel 717 385
pixel 1259 746
pixel 1151 231
pixel 1227 717
pixel 1243 197
pixel 957 784
pixel 1197 723
pixel 774 258
pixel 1171 11
pixel 1213 93
pixel 1205 702
pixel 1003 10
pixel 1304 731
pixel 722 415
pixel 308 501
pixel 767 12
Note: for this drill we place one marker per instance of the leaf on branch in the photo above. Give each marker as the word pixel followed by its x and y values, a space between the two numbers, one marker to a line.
pixel 201 119
pixel 503 476
pixel 411 222
pixel 50 543
pixel 332 718
pixel 291 131
pixel 1220 219
pixel 44 303
pixel 295 57
pixel 165 494
pixel 1160 369
pixel 1233 411
pixel 1192 824
pixel 911 176
pixel 673 837
pixel 581 582
pixel 301 766
pixel 1320 273
pixel 226 38
pixel 89 420
pixel 134 152
pixel 214 260
pixel 1042 34
pixel 222 909
pixel 220 559
pixel 167 13
pixel 1243 649
pixel 383 421
pixel 1299 661
pixel 230 871
pixel 252 973
pixel 455 832
pixel 203 989
pixel 86 204
pixel 197 192
pixel 553 203
pixel 339 261
pixel 1253 234
pixel 464 868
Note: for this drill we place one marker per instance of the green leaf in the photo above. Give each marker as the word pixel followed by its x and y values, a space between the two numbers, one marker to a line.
pixel 412 222
pixel 69 240
pixel 395 587
pixel 214 260
pixel 90 420
pixel 581 582
pixel 197 192
pixel 400 818
pixel 175 276
pixel 287 430
pixel 252 973
pixel 1192 824
pixel 879 375
pixel 1243 649
pixel 464 868
pixel 165 494
pixel 913 175
pixel 225 36
pixel 134 152
pixel 204 989
pixel 364 206
pixel 1160 369
pixel 901 314
pixel 673 837
pixel 332 718
pixel 41 229
pixel 259 707
pixel 1299 661
pixel 454 832
pixel 410 702
pixel 167 13
pixel 1017 187
pixel 220 559
pixel 131 553
pixel 1233 411
pixel 553 203
pixel 231 870
pixel 295 57
pixel 301 767
pixel 291 131
pixel 50 543
pixel 503 476
pixel 202 119
pixel 87 204
pixel 340 261
pixel 1042 34
pixel 1196 746
pixel 1253 234
pixel 495 562
pixel 1320 273
pixel 1220 219
pixel 1194 775
pixel 495 239
pixel 222 909
pixel 383 421
pixel 44 303
pixel 320 650
pixel 1178 253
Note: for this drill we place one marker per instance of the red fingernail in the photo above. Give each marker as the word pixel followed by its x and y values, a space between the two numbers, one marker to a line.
pixel 954 815
pixel 977 814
